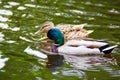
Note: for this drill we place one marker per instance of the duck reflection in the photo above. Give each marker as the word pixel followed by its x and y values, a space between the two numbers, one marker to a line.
pixel 55 61
pixel 79 62
pixel 84 62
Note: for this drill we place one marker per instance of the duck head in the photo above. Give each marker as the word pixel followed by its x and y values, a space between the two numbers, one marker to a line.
pixel 45 27
pixel 57 36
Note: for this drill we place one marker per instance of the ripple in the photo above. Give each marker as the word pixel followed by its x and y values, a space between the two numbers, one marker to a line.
pixel 23 15
pixel 112 71
pixel 90 18
pixel 30 5
pixel 21 8
pixel 6 12
pixel 66 15
pixel 114 26
pixel 15 29
pixel 3 26
pixel 90 3
pixel 25 39
pixel 10 41
pixel 100 5
pixel 73 73
pixel 2 61
pixel 30 51
pixel 78 62
pixel 58 14
pixel 32 0
pixel 30 16
pixel 68 4
pixel 7 6
pixel 113 11
pixel 3 19
pixel 77 11
pixel 87 62
pixel 1 37
pixel 13 3
pixel 44 7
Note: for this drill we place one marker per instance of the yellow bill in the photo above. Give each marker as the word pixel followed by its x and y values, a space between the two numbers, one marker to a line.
pixel 44 37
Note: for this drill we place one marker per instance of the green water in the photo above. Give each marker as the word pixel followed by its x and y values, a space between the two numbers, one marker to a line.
pixel 19 19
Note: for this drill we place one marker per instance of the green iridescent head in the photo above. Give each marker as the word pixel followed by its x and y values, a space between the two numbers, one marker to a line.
pixel 56 35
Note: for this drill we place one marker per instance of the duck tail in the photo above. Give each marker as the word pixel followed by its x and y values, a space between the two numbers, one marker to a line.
pixel 103 47
pixel 89 31
pixel 107 49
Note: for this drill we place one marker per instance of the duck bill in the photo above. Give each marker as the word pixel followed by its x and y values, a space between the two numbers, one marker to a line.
pixel 37 32
pixel 44 37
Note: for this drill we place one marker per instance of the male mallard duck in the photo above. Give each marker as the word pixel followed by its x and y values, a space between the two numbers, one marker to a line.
pixel 77 47
pixel 70 31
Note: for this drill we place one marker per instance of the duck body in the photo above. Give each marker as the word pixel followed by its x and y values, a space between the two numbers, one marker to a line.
pixel 81 47
pixel 70 31
pixel 77 47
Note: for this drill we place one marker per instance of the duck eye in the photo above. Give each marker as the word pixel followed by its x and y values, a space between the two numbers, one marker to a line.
pixel 44 26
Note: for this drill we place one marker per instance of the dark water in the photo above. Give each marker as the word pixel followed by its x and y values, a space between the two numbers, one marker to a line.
pixel 19 19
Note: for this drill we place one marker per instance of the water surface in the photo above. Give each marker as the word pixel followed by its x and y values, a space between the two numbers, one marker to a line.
pixel 19 19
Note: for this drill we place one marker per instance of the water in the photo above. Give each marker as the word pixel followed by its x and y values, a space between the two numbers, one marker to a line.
pixel 19 19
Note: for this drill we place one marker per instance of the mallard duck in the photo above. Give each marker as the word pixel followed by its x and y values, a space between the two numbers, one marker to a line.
pixel 70 31
pixel 76 47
